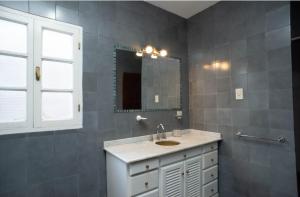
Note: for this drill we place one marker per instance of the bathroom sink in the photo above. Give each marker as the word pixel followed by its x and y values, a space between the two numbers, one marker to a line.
pixel 167 143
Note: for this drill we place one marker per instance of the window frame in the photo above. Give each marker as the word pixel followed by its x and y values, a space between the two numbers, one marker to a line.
pixel 29 61
pixel 38 31
pixel 32 123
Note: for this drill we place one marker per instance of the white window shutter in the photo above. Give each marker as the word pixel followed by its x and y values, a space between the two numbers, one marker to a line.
pixel 40 74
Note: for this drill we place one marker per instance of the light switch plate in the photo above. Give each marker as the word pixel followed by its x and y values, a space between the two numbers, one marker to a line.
pixel 239 94
pixel 178 113
pixel 156 98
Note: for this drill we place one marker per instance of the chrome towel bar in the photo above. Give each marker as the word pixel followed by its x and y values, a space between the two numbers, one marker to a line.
pixel 281 140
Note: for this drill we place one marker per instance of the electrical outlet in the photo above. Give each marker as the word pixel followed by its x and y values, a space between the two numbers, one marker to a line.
pixel 156 98
pixel 179 113
pixel 239 94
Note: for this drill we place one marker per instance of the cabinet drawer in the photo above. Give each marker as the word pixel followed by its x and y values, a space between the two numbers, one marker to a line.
pixel 153 193
pixel 210 159
pixel 194 152
pixel 209 174
pixel 143 166
pixel 210 189
pixel 172 158
pixel 143 182
pixel 210 147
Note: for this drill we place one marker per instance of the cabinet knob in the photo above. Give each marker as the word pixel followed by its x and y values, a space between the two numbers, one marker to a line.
pixel 182 173
pixel 147 167
pixel 212 190
pixel 212 175
pixel 212 147
pixel 184 155
pixel 212 160
pixel 146 184
pixel 187 171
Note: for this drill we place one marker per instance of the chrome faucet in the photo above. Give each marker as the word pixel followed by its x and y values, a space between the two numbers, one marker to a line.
pixel 162 134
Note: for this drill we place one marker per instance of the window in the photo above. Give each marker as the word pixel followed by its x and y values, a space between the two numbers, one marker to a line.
pixel 40 74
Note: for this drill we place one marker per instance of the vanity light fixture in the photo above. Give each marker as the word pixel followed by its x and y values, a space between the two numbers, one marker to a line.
pixel 153 52
pixel 149 49
pixel 163 53
pixel 139 53
pixel 154 56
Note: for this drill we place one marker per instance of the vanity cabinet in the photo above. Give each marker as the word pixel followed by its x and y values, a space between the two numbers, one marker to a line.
pixel 172 180
pixel 189 173
pixel 181 179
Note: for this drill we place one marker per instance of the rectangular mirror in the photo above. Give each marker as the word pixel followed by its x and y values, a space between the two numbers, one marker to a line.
pixel 146 84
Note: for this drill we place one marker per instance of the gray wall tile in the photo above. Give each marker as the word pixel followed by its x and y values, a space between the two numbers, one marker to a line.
pixel 67 11
pixel 279 59
pixel 278 38
pixel 258 99
pixel 278 18
pixel 257 81
pixel 258 36
pixel 42 8
pixel 281 99
pixel 280 79
pixel 17 5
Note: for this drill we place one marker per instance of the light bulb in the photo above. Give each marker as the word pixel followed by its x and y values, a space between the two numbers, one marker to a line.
pixel 216 65
pixel 149 49
pixel 139 53
pixel 163 53
pixel 153 56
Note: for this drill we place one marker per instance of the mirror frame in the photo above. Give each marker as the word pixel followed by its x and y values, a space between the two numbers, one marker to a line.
pixel 116 110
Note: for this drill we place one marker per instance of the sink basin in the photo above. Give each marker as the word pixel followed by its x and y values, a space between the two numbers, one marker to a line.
pixel 167 143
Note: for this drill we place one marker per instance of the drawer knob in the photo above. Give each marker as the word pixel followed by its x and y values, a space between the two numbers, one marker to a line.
pixel 182 173
pixel 211 147
pixel 212 160
pixel 184 155
pixel 147 167
pixel 146 184
pixel 212 175
pixel 187 171
pixel 212 190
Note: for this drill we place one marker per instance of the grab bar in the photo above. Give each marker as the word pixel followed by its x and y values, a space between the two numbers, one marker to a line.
pixel 281 140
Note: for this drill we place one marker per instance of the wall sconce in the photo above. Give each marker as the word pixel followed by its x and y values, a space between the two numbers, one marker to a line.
pixel 153 52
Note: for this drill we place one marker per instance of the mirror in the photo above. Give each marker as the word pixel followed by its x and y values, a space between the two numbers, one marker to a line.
pixel 145 84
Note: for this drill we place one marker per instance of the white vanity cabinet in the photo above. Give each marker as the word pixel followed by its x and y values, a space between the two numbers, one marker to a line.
pixel 188 173
pixel 181 179
pixel 172 180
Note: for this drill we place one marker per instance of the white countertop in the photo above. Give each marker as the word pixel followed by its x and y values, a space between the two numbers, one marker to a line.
pixel 140 148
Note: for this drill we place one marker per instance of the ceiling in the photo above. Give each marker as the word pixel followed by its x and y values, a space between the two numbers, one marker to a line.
pixel 185 9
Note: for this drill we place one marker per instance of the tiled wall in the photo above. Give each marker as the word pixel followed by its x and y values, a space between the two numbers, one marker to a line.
pixel 254 39
pixel 72 163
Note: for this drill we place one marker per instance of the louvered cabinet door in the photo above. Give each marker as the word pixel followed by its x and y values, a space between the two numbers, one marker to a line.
pixel 193 177
pixel 172 180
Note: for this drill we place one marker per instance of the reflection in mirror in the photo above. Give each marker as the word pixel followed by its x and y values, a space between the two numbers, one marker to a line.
pixel 128 80
pixel 143 83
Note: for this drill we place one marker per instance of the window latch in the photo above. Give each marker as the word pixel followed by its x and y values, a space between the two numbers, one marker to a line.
pixel 38 73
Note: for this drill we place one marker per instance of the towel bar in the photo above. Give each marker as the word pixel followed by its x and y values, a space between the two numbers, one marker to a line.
pixel 281 140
